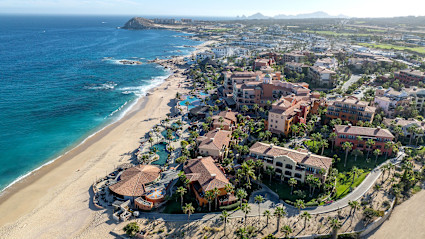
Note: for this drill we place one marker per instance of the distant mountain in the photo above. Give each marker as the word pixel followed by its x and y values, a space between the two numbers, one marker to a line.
pixel 258 16
pixel 319 14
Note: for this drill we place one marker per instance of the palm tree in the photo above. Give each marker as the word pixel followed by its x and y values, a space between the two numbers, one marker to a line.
pixel 181 191
pixel 255 107
pixel 324 144
pixel 397 131
pixel 229 188
pixel 347 146
pixel 294 129
pixel 356 153
pixel 388 145
pixel 287 230
pixel 267 214
pixel 369 143
pixel 258 165
pixel 224 217
pixel 299 204
pixel 188 209
pixel 187 103
pixel 270 171
pixel 292 182
pixel 354 206
pixel 268 134
pixel 248 172
pixel 377 152
pixel 279 212
pixel 332 138
pixel 355 172
pixel 216 193
pixel 246 208
pixel 259 199
pixel 411 131
pixel 306 217
pixel 335 225
pixel 241 194
pixel 209 195
pixel 244 109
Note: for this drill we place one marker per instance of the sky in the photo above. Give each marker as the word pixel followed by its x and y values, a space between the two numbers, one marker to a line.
pixel 220 8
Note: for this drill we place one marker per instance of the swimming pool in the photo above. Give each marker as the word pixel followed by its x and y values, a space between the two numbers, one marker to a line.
pixel 162 153
pixel 175 136
pixel 194 101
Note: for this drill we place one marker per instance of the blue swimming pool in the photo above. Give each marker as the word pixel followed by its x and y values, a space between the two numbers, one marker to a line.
pixel 194 101
pixel 163 154
pixel 175 136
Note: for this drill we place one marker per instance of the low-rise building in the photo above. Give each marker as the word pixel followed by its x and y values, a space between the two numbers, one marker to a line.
pixel 328 63
pixel 296 67
pixel 204 55
pixel 214 143
pixel 224 120
pixel 405 124
pixel 259 63
pixel 293 57
pixel 322 75
pixel 290 110
pixel 290 163
pixel 204 175
pixel 389 99
pixel 359 135
pixel 350 109
pixel 410 76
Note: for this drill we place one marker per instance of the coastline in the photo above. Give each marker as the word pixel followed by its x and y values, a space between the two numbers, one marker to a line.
pixel 90 158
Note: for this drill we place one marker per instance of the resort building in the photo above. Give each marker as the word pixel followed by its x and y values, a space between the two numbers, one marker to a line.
pixel 204 175
pixel 359 135
pixel 322 75
pixel 214 143
pixel 225 120
pixel 133 184
pixel 388 100
pixel 290 163
pixel 259 63
pixel 350 109
pixel 418 96
pixel 239 78
pixel 291 110
pixel 293 57
pixel 328 63
pixel 405 125
pixel 266 90
pixel 296 67
pixel 204 55
pixel 410 76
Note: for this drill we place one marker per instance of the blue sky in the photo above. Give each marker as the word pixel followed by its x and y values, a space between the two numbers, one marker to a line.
pixel 358 8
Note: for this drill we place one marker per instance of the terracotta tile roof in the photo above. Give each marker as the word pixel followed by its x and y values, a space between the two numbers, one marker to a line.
pixel 215 139
pixel 132 181
pixel 363 131
pixel 206 173
pixel 403 122
pixel 301 157
pixel 217 121
pixel 228 115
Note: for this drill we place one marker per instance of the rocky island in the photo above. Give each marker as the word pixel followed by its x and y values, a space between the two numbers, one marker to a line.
pixel 140 23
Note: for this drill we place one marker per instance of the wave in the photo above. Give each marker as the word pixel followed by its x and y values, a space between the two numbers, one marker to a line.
pixel 138 90
pixel 105 86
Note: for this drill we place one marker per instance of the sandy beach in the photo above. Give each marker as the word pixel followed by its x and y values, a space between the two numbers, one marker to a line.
pixel 55 201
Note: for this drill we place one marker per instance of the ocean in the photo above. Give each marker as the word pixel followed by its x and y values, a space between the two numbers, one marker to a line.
pixel 61 81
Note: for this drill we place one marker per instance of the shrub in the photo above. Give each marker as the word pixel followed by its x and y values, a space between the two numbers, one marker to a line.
pixel 131 229
pixel 230 207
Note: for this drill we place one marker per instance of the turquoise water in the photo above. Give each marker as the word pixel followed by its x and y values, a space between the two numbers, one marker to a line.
pixel 175 136
pixel 163 154
pixel 194 101
pixel 61 81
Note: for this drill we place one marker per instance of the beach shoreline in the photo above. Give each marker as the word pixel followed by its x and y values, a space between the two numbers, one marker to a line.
pixel 87 161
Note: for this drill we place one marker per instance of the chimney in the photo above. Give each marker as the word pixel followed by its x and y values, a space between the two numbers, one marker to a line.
pixel 271 146
pixel 213 175
pixel 309 154
pixel 349 125
pixel 378 127
pixel 199 157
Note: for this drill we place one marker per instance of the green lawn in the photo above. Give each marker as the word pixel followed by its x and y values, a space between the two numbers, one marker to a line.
pixel 284 190
pixel 420 50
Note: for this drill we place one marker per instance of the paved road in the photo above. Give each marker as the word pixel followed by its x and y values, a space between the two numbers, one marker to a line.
pixel 352 80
